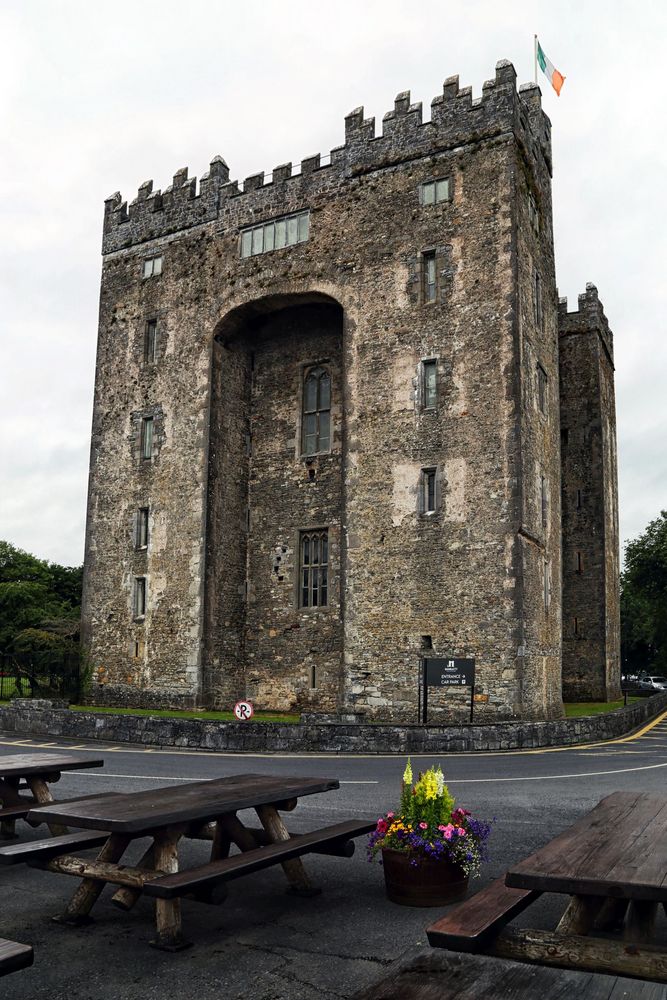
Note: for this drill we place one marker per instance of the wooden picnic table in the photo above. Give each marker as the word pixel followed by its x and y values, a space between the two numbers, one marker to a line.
pixel 203 810
pixel 35 771
pixel 613 864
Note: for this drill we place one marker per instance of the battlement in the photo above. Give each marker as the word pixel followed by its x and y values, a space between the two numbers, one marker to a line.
pixel 456 120
pixel 589 317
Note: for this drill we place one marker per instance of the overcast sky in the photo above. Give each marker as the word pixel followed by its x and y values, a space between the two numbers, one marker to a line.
pixel 97 97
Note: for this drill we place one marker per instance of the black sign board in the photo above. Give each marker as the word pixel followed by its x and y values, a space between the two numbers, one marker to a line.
pixel 444 672
pixel 447 671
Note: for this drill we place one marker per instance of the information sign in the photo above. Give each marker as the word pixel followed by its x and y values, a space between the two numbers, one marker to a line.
pixel 446 671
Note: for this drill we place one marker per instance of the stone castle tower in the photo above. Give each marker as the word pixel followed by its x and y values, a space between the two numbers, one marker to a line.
pixel 326 431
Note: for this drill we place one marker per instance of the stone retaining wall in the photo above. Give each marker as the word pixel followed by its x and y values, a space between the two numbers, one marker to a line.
pixel 42 718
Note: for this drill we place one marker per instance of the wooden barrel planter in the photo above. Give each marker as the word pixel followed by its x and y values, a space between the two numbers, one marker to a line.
pixel 430 883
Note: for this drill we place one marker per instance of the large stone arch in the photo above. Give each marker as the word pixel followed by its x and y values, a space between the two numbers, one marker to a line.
pixel 263 493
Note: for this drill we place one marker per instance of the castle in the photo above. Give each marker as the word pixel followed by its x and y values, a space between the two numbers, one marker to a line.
pixel 342 422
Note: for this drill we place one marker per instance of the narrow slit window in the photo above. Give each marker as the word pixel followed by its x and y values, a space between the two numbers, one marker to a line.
pixel 142 528
pixel 316 413
pixel 541 389
pixel 544 500
pixel 314 569
pixel 150 342
pixel 576 626
pixel 430 384
pixel 579 563
pixel 547 585
pixel 147 438
pixel 579 500
pixel 429 278
pixel 537 300
pixel 139 596
pixel 429 490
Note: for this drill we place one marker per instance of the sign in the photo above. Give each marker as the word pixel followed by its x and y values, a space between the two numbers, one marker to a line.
pixel 244 711
pixel 454 672
pixel 482 698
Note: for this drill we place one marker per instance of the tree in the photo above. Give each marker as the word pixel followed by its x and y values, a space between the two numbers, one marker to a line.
pixel 35 594
pixel 644 599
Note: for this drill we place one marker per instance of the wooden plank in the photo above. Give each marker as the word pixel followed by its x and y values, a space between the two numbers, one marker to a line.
pixel 23 764
pixel 202 800
pixel 471 925
pixel 14 956
pixel 98 871
pixel 442 975
pixel 172 886
pixel 579 861
pixel 570 951
pixel 39 850
pixel 646 862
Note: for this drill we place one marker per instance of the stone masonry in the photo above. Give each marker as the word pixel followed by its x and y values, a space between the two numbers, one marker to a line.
pixel 326 429
pixel 591 595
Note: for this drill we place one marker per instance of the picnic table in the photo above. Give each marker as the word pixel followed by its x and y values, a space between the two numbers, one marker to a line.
pixel 203 810
pixel 14 956
pixel 34 771
pixel 613 864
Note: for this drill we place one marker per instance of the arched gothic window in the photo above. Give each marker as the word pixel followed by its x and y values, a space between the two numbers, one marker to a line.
pixel 316 416
pixel 314 559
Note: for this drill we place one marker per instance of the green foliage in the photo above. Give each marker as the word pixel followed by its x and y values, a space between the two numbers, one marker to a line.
pixel 36 595
pixel 644 599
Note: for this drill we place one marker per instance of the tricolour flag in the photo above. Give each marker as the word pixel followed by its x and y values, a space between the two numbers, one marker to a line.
pixel 556 79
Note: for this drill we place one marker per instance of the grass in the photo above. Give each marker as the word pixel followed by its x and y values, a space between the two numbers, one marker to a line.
pixel 575 709
pixel 168 713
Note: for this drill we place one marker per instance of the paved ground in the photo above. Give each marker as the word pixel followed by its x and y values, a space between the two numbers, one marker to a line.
pixel 262 943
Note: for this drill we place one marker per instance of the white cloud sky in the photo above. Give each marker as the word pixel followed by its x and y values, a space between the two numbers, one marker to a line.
pixel 98 97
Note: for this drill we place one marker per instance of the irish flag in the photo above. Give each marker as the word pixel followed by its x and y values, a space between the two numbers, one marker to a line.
pixel 556 79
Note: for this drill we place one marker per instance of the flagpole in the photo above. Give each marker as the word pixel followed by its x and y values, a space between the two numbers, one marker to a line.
pixel 535 57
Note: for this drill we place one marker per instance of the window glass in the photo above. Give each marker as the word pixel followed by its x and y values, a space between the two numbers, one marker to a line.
pixel 429 276
pixel 157 265
pixel 323 442
pixel 442 190
pixel 147 437
pixel 325 392
pixel 428 191
pixel 269 235
pixel 430 384
pixel 246 243
pixel 281 234
pixel 304 221
pixel 316 421
pixel 314 553
pixel 292 231
pixel 257 239
pixel 150 341
pixel 148 268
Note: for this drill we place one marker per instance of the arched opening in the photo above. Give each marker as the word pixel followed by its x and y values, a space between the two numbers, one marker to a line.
pixel 275 505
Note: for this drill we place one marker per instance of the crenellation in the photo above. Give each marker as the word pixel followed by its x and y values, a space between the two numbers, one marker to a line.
pixel 455 116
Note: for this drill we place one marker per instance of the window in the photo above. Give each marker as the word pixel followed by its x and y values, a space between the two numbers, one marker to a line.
pixel 576 626
pixel 285 232
pixel 533 212
pixel 429 384
pixel 139 649
pixel 428 491
pixel 152 267
pixel 429 282
pixel 434 192
pixel 537 300
pixel 579 499
pixel 150 342
pixel 142 528
pixel 564 437
pixel 541 389
pixel 544 500
pixel 579 563
pixel 139 596
pixel 316 415
pixel 147 438
pixel 314 559
pixel 547 585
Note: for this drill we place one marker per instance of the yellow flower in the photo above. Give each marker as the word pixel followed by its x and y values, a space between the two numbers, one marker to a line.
pixel 407 774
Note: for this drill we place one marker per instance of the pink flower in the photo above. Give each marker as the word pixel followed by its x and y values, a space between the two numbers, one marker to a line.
pixel 382 826
pixel 390 815
pixel 448 832
pixel 423 826
pixel 441 828
pixel 461 832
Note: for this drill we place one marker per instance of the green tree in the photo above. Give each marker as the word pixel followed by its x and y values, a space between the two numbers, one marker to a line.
pixel 35 594
pixel 644 599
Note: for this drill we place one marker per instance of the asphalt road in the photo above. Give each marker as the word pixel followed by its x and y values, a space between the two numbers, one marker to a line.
pixel 262 943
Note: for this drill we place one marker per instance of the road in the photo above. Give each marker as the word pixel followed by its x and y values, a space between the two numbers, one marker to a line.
pixel 262 943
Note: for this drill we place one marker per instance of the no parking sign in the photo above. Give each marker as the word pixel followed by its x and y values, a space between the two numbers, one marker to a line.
pixel 243 710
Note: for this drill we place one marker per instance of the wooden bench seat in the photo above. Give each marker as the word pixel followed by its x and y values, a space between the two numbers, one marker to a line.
pixel 21 811
pixel 42 850
pixel 194 879
pixel 474 923
pixel 14 956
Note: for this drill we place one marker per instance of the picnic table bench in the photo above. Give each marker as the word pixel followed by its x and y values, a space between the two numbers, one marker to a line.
pixel 34 771
pixel 439 976
pixel 14 956
pixel 203 810
pixel 612 863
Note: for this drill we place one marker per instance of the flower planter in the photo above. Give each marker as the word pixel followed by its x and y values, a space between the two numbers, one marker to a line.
pixel 430 883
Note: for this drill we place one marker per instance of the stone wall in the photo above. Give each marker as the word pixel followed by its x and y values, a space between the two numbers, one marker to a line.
pixel 29 718
pixel 591 599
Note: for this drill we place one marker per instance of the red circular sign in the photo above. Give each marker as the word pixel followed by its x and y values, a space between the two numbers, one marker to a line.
pixel 243 710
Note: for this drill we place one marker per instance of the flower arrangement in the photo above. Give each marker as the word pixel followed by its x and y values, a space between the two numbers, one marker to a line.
pixel 427 826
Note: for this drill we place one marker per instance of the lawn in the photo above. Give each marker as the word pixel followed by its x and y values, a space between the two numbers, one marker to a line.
pixel 167 713
pixel 577 708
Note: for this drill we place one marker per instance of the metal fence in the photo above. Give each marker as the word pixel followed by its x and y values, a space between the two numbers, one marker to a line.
pixel 40 675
